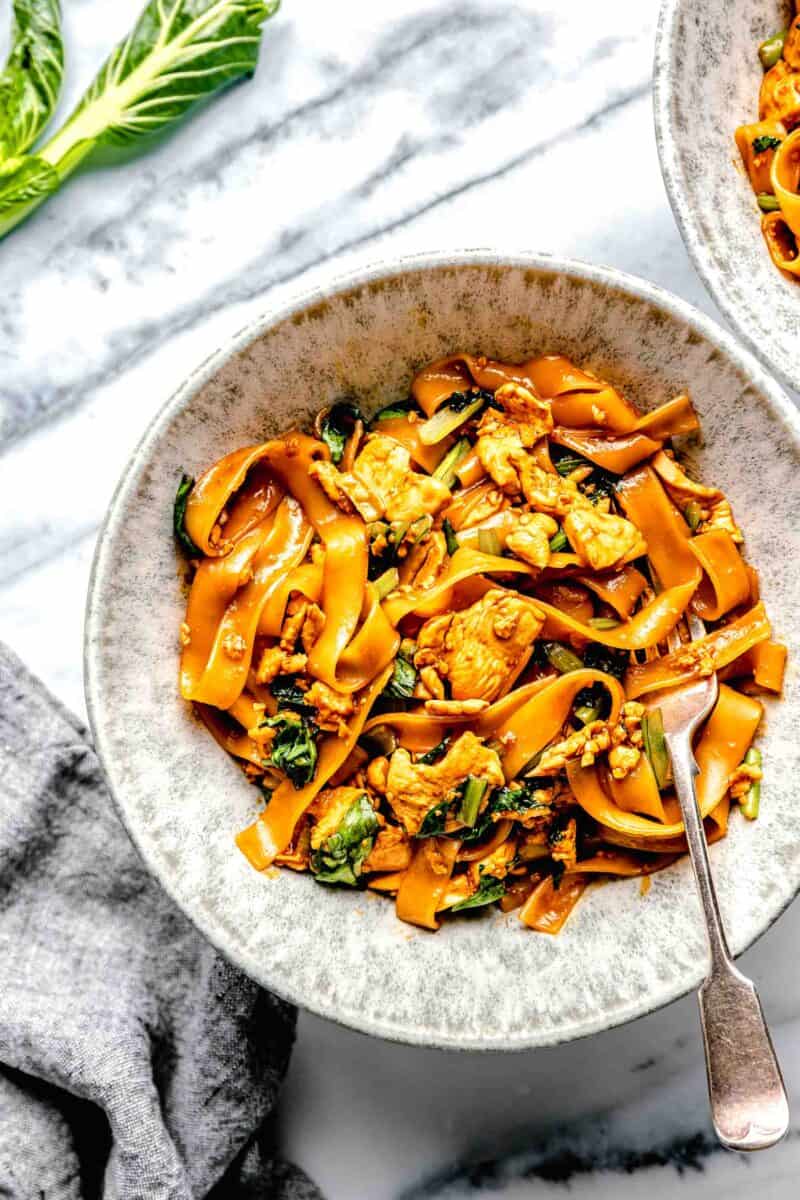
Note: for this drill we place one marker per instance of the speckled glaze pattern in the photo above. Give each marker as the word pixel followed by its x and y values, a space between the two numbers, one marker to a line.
pixel 484 983
pixel 706 81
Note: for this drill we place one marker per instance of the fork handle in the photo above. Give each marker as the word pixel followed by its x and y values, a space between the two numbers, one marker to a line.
pixel 749 1107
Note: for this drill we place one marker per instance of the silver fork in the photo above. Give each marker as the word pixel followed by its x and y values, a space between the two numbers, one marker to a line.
pixel 749 1108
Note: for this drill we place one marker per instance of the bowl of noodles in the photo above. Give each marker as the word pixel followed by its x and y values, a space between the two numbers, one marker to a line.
pixel 376 633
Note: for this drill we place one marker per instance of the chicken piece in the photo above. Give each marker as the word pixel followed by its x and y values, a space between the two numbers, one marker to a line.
pixel 425 562
pixel 563 843
pixel 530 538
pixel 414 788
pixel 278 661
pixel 384 469
pixel 333 708
pixel 429 685
pixel 602 540
pixel 391 852
pixel 346 491
pixel 476 505
pixel 720 516
pixel 329 810
pixel 550 493
pixel 779 98
pixel 479 647
pixel 532 414
pixel 313 625
pixel 501 452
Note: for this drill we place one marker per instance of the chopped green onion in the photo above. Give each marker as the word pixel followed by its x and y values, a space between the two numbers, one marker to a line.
pixel 559 542
pixel 655 746
pixel 474 791
pixel 387 582
pixel 562 658
pixel 604 622
pixel 446 420
pixel 570 463
pixel 391 411
pixel 449 537
pixel 768 203
pixel 446 470
pixel 751 801
pixel 419 528
pixel 771 50
pixel 693 514
pixel 587 713
pixel 489 542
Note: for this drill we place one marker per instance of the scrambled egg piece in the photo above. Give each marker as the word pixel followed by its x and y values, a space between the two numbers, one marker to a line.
pixel 779 98
pixel 596 738
pixel 602 540
pixel 720 516
pixel 391 852
pixel 333 708
pixel 328 811
pixel 741 780
pixel 413 788
pixel 530 538
pixel 276 661
pixel 480 646
pixel 496 864
pixel 305 620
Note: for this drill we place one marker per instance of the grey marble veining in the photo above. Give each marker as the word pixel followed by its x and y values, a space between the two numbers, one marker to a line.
pixel 368 129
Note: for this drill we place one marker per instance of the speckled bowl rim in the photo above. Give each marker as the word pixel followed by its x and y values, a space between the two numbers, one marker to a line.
pixel 610 277
pixel 740 318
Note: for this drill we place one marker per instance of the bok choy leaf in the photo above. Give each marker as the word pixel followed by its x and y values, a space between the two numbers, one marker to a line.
pixel 179 53
pixel 31 80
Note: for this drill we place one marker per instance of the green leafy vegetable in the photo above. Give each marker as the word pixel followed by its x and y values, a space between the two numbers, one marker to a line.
pixel 401 409
pixel 179 53
pixel 436 752
pixel 767 203
pixel 403 679
pixel 293 749
pixel 655 746
pixel 771 50
pixel 607 659
pixel 490 889
pixel 447 468
pixel 31 81
pixel 569 463
pixel 337 425
pixel 449 537
pixel 179 514
pixel 286 691
pixel 452 414
pixel 341 857
pixel 764 143
pixel 597 484
pixel 751 801
pixel 433 822
pixel 472 792
pixel 562 658
pixel 520 797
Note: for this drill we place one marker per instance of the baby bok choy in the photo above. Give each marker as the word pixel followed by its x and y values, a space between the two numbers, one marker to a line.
pixel 179 53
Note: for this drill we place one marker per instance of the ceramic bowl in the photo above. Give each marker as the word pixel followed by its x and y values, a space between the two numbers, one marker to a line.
pixel 706 81
pixel 485 982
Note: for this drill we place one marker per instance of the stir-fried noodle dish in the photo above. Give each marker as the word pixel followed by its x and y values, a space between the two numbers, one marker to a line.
pixel 435 639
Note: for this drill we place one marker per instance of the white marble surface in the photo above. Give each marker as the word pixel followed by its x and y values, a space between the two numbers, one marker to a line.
pixel 369 130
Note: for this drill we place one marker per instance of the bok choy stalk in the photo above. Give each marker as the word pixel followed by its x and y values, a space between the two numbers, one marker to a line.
pixel 179 53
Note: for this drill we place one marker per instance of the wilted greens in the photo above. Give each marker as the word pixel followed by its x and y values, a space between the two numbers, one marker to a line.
pixel 341 856
pixel 293 749
pixel 179 53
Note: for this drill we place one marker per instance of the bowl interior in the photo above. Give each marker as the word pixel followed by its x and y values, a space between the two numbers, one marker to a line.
pixel 483 982
pixel 707 78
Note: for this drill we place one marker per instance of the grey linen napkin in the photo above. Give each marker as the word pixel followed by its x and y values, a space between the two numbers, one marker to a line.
pixel 135 1063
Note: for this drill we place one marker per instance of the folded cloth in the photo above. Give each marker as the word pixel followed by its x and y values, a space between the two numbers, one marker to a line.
pixel 134 1061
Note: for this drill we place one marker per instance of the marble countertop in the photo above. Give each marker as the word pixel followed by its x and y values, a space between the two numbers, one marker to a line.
pixel 367 131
